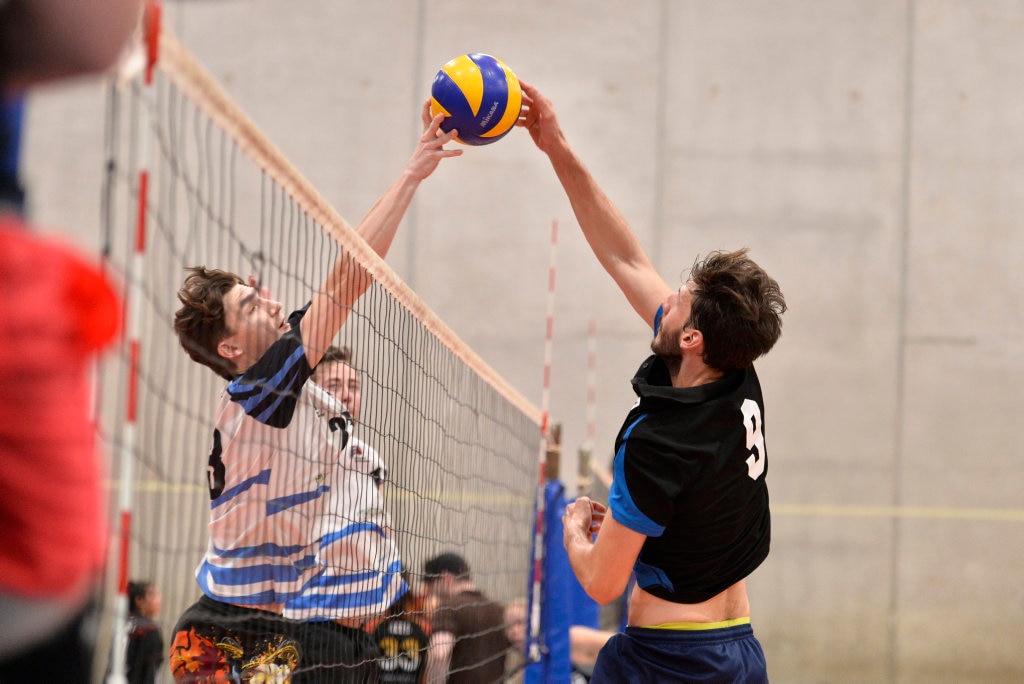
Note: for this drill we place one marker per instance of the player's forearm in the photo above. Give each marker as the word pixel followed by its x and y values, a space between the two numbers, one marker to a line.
pixel 580 550
pixel 348 280
pixel 602 565
pixel 606 230
pixel 380 225
pixel 585 643
pixel 331 305
pixel 604 226
pixel 434 673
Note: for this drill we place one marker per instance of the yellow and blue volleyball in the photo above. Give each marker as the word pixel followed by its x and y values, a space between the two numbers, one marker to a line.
pixel 479 96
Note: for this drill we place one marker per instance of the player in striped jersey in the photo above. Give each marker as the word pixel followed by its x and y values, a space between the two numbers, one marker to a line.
pixel 361 574
pixel 277 443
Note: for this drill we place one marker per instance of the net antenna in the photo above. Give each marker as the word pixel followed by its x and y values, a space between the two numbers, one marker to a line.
pixel 133 303
pixel 534 636
pixel 586 452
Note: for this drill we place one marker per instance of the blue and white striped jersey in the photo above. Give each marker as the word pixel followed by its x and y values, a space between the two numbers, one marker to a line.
pixel 359 566
pixel 277 441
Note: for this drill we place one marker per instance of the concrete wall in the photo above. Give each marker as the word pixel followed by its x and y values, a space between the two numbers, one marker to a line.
pixel 869 152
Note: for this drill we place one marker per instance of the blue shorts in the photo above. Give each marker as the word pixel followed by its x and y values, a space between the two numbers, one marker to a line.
pixel 719 655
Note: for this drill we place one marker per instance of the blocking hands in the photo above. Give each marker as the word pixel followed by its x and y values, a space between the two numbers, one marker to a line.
pixel 430 149
pixel 539 119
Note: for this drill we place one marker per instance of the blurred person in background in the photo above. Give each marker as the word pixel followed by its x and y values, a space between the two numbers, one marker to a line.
pixel 58 312
pixel 402 634
pixel 468 640
pixel 145 656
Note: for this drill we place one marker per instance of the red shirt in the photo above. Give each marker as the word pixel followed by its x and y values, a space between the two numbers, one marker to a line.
pixel 56 312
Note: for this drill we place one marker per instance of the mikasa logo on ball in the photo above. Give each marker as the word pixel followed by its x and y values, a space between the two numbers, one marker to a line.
pixel 490 113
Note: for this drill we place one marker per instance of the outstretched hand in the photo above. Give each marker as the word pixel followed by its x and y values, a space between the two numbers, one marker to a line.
pixel 430 150
pixel 538 117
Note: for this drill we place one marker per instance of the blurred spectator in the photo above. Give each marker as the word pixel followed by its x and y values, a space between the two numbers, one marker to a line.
pixel 145 655
pixel 402 634
pixel 58 311
pixel 468 641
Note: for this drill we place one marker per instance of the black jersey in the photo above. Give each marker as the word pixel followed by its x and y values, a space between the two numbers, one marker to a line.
pixel 404 644
pixel 270 389
pixel 690 469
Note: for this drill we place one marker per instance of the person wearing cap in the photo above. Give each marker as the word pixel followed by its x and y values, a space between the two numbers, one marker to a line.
pixel 468 642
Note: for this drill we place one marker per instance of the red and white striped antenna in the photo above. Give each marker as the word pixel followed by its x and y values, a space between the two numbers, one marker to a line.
pixel 534 647
pixel 591 384
pixel 586 453
pixel 134 297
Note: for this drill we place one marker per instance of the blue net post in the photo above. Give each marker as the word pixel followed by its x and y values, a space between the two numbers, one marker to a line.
pixel 563 601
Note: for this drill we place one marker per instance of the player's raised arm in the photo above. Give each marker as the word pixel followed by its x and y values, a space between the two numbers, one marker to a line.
pixel 347 280
pixel 607 231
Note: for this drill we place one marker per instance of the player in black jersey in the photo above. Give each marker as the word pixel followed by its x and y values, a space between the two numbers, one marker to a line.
pixel 688 508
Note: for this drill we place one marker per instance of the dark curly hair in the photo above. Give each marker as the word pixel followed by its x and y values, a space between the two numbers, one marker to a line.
pixel 200 322
pixel 737 307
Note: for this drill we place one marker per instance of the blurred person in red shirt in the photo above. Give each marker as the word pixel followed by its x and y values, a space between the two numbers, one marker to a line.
pixel 57 311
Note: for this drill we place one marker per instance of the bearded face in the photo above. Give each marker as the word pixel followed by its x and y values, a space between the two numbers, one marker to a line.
pixel 666 344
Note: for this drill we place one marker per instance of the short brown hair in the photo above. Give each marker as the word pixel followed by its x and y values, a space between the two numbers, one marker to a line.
pixel 737 307
pixel 334 353
pixel 200 322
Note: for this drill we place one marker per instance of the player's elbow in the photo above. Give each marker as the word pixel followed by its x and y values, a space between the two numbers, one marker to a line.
pixel 603 591
pixel 605 597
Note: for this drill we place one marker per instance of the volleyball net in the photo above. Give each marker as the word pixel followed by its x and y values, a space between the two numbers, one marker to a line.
pixel 191 181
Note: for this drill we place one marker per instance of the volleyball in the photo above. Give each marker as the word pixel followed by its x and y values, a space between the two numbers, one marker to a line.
pixel 479 96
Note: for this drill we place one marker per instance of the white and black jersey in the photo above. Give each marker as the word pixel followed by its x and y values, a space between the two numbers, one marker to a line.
pixel 689 473
pixel 276 445
pixel 359 569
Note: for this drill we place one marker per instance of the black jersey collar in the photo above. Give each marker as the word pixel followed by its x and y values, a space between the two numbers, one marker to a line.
pixel 652 380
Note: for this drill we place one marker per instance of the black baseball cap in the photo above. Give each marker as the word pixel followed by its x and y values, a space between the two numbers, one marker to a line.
pixel 452 563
